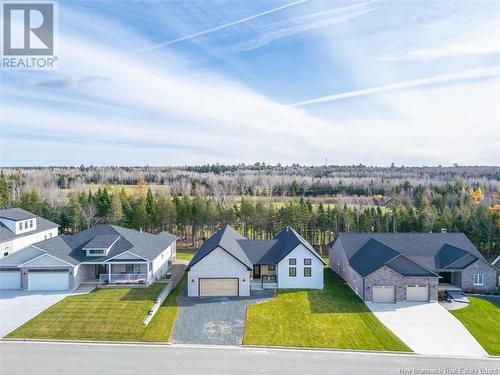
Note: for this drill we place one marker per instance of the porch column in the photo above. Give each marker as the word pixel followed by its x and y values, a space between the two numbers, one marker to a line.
pixel 109 272
pixel 147 271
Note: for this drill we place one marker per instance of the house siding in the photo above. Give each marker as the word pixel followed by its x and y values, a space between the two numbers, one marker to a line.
pixel 160 264
pixel 479 267
pixel 315 281
pixel 340 265
pixel 218 264
pixel 83 272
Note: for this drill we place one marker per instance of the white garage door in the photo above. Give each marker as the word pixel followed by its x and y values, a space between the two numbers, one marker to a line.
pixel 218 287
pixel 10 280
pixel 417 293
pixel 48 281
pixel 384 294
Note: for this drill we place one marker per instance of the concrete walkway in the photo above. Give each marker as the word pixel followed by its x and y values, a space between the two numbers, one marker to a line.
pixel 17 306
pixel 428 328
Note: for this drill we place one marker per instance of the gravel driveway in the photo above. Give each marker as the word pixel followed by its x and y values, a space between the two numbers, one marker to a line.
pixel 214 320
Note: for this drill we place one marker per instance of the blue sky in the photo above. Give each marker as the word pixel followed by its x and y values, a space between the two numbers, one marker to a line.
pixel 178 82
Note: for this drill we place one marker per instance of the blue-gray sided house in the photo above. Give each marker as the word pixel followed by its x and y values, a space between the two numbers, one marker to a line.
pixel 228 264
pixel 103 254
pixel 399 267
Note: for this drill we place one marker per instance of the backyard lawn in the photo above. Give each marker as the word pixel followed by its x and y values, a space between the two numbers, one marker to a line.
pixel 331 318
pixel 482 319
pixel 107 315
pixel 185 254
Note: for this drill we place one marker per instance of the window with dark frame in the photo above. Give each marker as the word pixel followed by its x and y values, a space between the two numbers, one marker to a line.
pixel 21 226
pixel 271 268
pixel 307 261
pixel 292 261
pixel 307 271
pixel 292 271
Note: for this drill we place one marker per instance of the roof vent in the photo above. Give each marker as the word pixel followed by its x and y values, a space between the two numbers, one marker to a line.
pixel 444 230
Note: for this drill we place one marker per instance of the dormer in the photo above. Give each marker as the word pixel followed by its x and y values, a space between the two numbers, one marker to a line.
pixel 100 245
pixel 19 222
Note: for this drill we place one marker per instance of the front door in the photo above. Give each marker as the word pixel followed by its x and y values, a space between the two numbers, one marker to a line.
pixel 256 272
pixel 100 269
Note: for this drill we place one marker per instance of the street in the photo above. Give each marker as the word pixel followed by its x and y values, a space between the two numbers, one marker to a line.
pixel 83 358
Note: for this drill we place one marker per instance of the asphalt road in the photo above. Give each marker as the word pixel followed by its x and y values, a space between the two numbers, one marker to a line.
pixel 57 358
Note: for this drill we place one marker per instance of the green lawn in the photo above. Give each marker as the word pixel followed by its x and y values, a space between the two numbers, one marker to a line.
pixel 482 319
pixel 331 318
pixel 106 314
pixel 185 254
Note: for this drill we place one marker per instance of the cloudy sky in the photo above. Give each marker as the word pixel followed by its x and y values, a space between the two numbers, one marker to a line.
pixel 178 82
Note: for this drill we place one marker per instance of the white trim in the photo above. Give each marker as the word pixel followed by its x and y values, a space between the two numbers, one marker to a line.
pixel 496 261
pixel 481 277
pixel 131 253
pixel 38 257
pixel 106 249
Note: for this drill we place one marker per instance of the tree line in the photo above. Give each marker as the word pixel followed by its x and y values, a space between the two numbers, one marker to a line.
pixel 195 217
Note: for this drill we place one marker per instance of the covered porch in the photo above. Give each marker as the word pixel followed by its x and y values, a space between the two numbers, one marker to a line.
pixel 450 280
pixel 122 273
pixel 264 276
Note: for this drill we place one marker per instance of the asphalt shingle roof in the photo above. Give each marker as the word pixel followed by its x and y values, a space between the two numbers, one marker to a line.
pixel 423 248
pixel 406 267
pixel 253 252
pixel 16 214
pixel 70 247
pixel 41 225
pixel 102 241
pixel 371 256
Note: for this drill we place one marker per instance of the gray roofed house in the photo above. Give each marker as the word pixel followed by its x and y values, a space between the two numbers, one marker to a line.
pixel 228 264
pixel 396 267
pixel 103 253
pixel 20 228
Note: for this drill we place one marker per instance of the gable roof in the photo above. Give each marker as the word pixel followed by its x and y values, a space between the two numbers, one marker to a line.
pixel 253 252
pixel 425 249
pixel 227 239
pixel 371 256
pixel 409 268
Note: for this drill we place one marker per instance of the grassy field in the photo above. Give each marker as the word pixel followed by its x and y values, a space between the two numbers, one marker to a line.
pixel 106 314
pixel 185 254
pixel 482 319
pixel 331 318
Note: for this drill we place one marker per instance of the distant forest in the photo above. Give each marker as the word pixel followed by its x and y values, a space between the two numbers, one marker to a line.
pixel 319 201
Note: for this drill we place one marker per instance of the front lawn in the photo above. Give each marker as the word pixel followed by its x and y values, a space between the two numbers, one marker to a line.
pixel 331 318
pixel 107 315
pixel 482 319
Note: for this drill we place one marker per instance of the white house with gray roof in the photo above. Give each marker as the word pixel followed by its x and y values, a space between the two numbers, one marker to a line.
pixel 228 264
pixel 399 267
pixel 20 228
pixel 102 254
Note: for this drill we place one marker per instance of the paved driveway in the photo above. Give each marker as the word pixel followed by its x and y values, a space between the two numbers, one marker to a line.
pixel 427 328
pixel 17 307
pixel 214 320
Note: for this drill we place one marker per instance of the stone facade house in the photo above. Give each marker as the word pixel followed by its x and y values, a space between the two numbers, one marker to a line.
pixel 409 267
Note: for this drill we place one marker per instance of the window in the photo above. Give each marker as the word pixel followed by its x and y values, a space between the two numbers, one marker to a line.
pixel 292 261
pixel 6 253
pixel 307 271
pixel 96 252
pixel 31 223
pixel 292 271
pixel 307 261
pixel 271 268
pixel 50 235
pixel 20 226
pixel 478 279
pixel 25 225
pixel 133 268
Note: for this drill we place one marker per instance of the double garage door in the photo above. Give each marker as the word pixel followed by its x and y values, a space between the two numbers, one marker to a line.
pixel 48 280
pixel 37 280
pixel 414 293
pixel 223 287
